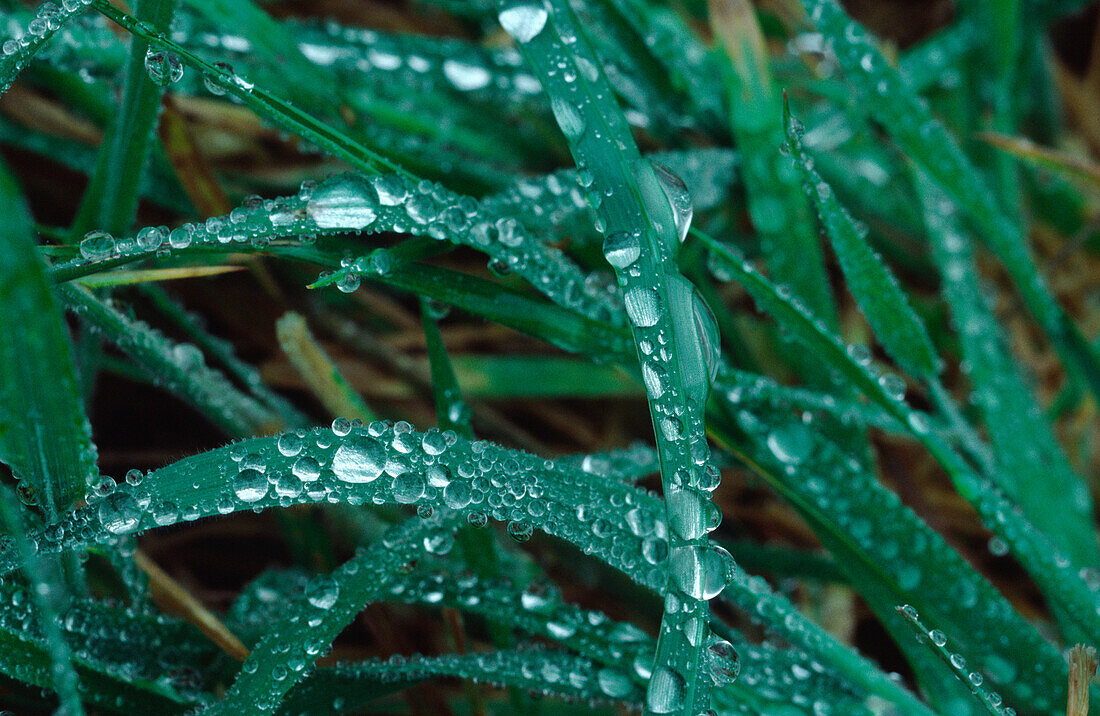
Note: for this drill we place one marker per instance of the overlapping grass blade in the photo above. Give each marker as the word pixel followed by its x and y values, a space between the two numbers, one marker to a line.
pixel 1036 473
pixel 40 28
pixel 935 150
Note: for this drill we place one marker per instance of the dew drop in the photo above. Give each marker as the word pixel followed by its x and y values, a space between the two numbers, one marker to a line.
pixel 346 202
pixel 723 662
pixel 250 485
pixel 163 68
pixel 119 513
pixel 97 245
pixel 568 117
pixel 679 198
pixel 701 572
pixel 457 495
pixel 322 593
pixel 790 443
pixel 643 306
pixel 666 691
pixel 306 469
pixel 524 21
pixel 359 459
pixel 622 248
pixel 613 683
pixel 408 487
pixel 464 76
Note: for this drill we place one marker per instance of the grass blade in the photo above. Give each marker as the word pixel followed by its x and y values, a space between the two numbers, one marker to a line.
pixel 44 434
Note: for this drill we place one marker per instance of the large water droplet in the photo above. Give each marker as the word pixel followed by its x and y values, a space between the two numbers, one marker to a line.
pixel 346 202
pixel 163 68
pixel 408 487
pixel 524 21
pixel 723 662
pixel 568 117
pixel 97 245
pixel 119 513
pixel 464 76
pixel 322 592
pixel 613 683
pixel 250 485
pixel 791 443
pixel 359 459
pixel 706 328
pixel 643 306
pixel 701 572
pixel 679 198
pixel 622 248
pixel 666 691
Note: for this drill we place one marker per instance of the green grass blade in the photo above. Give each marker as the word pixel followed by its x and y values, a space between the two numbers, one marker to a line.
pixel 177 367
pixel 1036 473
pixel 44 434
pixel 40 28
pixel 644 216
pixel 110 200
pixel 776 203
pixel 49 594
pixel 874 286
pixel 935 150
pixel 973 680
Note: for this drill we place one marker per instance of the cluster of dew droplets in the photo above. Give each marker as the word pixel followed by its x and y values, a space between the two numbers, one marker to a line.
pixel 22 42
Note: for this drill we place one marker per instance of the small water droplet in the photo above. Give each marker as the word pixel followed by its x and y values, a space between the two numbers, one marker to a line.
pixel 622 248
pixel 464 76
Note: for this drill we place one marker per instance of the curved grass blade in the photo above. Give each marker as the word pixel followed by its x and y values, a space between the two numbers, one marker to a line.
pixel 44 435
pixel 874 286
pixel 935 150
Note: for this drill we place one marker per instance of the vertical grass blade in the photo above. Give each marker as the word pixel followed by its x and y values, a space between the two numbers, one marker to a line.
pixel 44 434
pixel 645 213
pixel 874 286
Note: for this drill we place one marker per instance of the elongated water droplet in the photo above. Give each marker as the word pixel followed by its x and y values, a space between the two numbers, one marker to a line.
pixel 464 76
pixel 524 21
pixel 622 248
pixel 666 691
pixel 706 328
pixel 723 662
pixel 359 459
pixel 613 683
pixel 643 306
pixel 679 198
pixel 568 117
pixel 346 202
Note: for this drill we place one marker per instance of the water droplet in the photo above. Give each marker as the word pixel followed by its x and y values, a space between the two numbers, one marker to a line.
pixel 457 495
pixel 520 531
pixel 568 117
pixel 97 245
pixel 523 21
pixel 701 572
pixel 791 443
pixel 464 76
pixel 250 485
pixel 322 592
pixel 359 459
pixel 408 487
pixel 163 68
pixel 622 248
pixel 723 662
pixel 289 444
pixel 613 683
pixel 391 189
pixel 119 513
pixel 306 469
pixel 666 691
pixel 655 378
pixel 679 198
pixel 938 637
pixel 706 328
pixel 643 306
pixel 346 202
